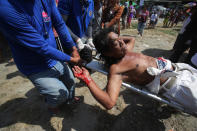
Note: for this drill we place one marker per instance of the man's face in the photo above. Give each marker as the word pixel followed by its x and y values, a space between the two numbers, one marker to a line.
pixel 117 46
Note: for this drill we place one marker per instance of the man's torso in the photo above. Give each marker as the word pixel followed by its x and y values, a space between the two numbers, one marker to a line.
pixel 132 68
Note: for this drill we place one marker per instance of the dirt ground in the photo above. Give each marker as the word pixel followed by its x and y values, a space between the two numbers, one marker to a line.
pixel 23 109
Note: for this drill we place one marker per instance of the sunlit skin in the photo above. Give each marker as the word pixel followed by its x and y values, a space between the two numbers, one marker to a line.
pixel 130 68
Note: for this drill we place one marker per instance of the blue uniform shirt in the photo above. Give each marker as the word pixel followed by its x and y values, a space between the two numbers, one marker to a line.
pixel 27 25
pixel 79 16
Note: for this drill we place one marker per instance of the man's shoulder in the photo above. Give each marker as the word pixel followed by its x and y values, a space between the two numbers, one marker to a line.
pixel 114 68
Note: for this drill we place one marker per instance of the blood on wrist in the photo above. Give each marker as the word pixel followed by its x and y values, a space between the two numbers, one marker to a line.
pixel 87 80
pixel 84 78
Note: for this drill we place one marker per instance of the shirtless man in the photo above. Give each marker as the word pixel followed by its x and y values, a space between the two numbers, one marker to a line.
pixel 157 74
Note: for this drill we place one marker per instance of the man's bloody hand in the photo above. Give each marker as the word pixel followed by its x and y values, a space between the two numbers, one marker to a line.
pixel 82 74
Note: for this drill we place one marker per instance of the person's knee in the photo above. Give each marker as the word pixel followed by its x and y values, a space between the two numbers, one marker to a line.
pixel 56 97
pixel 55 91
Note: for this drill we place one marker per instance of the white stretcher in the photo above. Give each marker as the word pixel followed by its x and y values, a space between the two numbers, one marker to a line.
pixel 99 67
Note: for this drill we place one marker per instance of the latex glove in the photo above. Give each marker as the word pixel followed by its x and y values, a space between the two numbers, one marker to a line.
pixel 90 42
pixel 80 44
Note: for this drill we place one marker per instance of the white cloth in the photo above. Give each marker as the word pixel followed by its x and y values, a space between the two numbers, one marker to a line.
pixel 184 90
pixel 164 69
pixel 194 60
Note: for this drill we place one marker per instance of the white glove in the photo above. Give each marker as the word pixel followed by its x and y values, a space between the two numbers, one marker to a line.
pixel 80 44
pixel 90 42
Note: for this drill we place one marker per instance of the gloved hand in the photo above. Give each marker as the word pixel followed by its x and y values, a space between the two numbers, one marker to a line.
pixel 90 42
pixel 80 44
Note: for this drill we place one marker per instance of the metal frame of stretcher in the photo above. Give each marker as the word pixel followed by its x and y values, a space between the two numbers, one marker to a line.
pixel 99 67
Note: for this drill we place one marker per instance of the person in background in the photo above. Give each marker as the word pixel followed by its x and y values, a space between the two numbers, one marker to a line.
pixel 191 30
pixel 153 19
pixel 111 15
pixel 185 36
pixel 124 16
pixel 78 15
pixel 142 18
pixel 166 18
pixel 96 24
pixel 171 18
pixel 27 25
pixel 131 13
pixel 178 18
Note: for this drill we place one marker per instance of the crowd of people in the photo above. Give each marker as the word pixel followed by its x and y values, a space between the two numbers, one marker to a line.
pixel 173 16
pixel 35 29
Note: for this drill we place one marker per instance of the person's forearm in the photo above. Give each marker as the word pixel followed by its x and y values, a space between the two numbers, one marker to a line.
pixel 75 37
pixel 60 27
pixel 130 41
pixel 116 18
pixel 89 30
pixel 101 96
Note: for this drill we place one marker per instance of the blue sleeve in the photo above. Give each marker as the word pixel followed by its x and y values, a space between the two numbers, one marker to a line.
pixel 65 7
pixel 60 27
pixel 21 32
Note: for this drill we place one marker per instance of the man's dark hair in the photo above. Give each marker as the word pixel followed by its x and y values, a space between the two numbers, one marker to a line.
pixel 86 54
pixel 101 42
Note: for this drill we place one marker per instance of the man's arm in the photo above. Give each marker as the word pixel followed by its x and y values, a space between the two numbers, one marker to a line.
pixel 107 98
pixel 89 30
pixel 62 31
pixel 25 35
pixel 75 37
pixel 130 41
pixel 65 8
pixel 116 18
pixel 89 35
pixel 60 27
